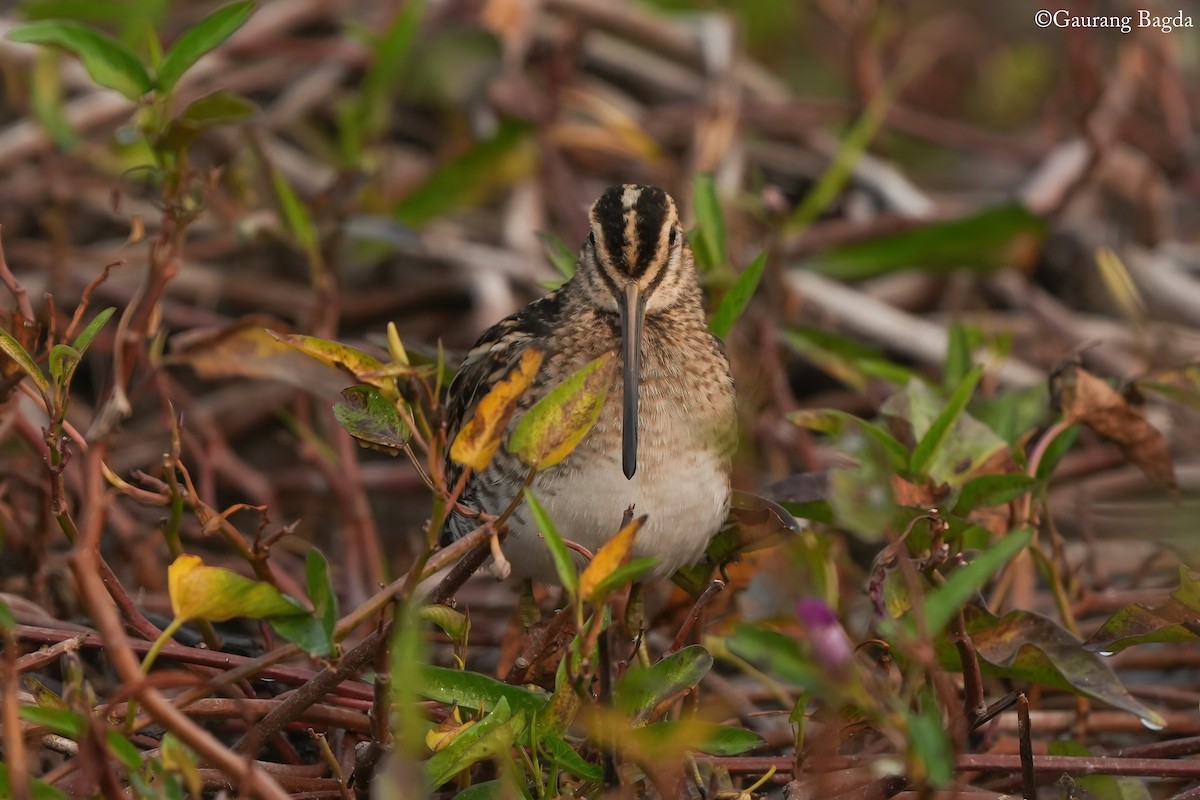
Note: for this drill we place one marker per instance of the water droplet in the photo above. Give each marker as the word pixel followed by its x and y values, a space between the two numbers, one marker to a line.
pixel 1106 653
pixel 1152 726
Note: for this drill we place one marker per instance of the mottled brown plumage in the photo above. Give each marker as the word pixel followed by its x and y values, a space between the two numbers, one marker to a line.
pixel 676 468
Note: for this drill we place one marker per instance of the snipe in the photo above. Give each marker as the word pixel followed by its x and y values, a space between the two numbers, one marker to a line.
pixel 666 432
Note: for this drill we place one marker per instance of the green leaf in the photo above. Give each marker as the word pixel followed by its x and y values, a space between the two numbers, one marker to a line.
pixel 934 438
pixel 561 754
pixel 861 497
pixel 943 602
pixel 1056 450
pixel 14 350
pixel 63 360
pixel 216 108
pixel 550 430
pixel 84 340
pixel 992 490
pixel 775 654
pixel 564 565
pixel 837 422
pixel 295 216
pixel 646 693
pixel 108 62
pixel 492 735
pixel 201 38
pixel 623 575
pixel 455 624
pixel 320 590
pixel 715 740
pixel 990 239
pixel 709 245
pixel 930 743
pixel 7 620
pixel 125 751
pixel 305 631
pixel 372 419
pixel 737 298
pixel 472 176
pixel 409 654
pixel 844 359
pixel 560 254
pixel 476 691
pixel 216 594
pixel 391 52
pixel 57 720
pixel 963 341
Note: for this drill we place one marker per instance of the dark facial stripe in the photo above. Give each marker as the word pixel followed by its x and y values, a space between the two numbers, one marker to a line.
pixel 651 213
pixel 609 214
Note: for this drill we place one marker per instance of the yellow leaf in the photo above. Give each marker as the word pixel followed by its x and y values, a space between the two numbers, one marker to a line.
pixel 441 735
pixel 477 441
pixel 549 431
pixel 364 367
pixel 608 558
pixel 215 594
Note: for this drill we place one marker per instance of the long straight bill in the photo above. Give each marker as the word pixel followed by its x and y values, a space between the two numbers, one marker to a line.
pixel 632 312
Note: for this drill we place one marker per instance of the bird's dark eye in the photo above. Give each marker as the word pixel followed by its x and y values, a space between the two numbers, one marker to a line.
pixel 672 237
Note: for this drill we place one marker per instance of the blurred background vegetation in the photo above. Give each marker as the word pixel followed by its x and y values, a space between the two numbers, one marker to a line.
pixel 969 359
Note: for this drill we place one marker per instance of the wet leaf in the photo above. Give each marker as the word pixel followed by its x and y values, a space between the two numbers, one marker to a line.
pixel 613 554
pixel 1084 398
pixel 246 350
pixel 455 624
pixel 564 564
pixel 1175 619
pixel 647 693
pixel 492 735
pixel 478 440
pixel 216 594
pixel 108 62
pixel 199 39
pixel 1024 646
pixel 548 432
pixel 372 419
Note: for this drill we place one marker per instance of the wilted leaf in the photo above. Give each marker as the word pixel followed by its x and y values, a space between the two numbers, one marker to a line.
pixel 548 432
pixel 612 555
pixel 199 39
pixel 246 350
pixel 1024 646
pixel 216 594
pixel 109 63
pixel 646 693
pixel 1175 619
pixel 478 440
pixel 1084 398
pixel 371 418
pixel 353 361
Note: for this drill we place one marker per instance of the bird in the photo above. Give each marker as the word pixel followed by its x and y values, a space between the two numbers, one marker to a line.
pixel 665 435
